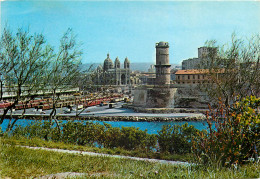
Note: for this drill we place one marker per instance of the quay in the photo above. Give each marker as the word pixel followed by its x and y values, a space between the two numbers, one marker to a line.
pixel 104 113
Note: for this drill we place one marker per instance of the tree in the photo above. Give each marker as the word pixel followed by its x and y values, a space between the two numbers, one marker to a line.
pixel 63 68
pixel 233 69
pixel 232 138
pixel 23 60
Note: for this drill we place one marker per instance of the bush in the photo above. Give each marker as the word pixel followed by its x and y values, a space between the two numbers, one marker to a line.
pixel 78 133
pixel 133 138
pixel 235 138
pixel 176 139
pixel 90 133
pixel 1 132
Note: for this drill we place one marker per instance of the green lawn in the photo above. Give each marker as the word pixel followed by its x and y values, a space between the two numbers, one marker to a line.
pixel 116 151
pixel 18 162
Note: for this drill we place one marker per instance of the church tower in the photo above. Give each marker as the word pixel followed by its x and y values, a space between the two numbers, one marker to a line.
pixel 162 66
pixel 126 63
pixel 117 63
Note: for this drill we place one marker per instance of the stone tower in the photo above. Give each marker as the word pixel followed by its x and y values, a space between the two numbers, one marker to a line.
pixel 162 66
pixel 161 95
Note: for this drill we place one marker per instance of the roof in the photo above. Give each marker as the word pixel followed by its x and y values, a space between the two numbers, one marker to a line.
pixel 196 71
pixel 108 60
pixel 117 60
pixel 126 60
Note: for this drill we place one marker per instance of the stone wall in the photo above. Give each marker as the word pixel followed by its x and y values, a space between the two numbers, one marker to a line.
pixel 156 97
pixel 190 96
pixel 114 118
pixel 176 96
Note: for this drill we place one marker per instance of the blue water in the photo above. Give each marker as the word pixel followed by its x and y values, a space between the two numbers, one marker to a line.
pixel 152 127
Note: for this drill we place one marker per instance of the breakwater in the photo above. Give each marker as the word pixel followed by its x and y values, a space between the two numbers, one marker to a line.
pixel 195 117
pixel 163 110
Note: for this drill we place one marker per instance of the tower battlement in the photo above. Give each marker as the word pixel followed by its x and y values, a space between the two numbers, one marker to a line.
pixel 162 44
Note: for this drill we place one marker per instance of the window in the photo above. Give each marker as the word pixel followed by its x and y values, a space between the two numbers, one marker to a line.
pixel 193 76
pixel 198 76
pixel 188 77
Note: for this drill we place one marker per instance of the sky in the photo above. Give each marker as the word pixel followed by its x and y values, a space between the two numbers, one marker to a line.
pixel 131 28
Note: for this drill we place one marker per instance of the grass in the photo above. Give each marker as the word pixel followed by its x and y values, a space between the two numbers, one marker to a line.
pixel 37 142
pixel 18 162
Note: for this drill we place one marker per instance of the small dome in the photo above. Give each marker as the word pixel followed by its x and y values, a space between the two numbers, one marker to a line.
pixel 117 63
pixel 126 60
pixel 126 63
pixel 117 60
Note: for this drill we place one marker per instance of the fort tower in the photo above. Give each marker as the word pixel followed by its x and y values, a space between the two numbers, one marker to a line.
pixel 162 66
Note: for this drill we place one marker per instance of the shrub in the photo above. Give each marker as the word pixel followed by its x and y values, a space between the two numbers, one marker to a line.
pixel 176 139
pixel 111 137
pixel 1 132
pixel 133 138
pixel 90 133
pixel 235 137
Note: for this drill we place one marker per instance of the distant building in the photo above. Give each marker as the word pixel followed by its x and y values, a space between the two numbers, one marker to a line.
pixel 191 63
pixel 151 69
pixel 202 61
pixel 196 76
pixel 112 73
pixel 204 52
pixel 190 76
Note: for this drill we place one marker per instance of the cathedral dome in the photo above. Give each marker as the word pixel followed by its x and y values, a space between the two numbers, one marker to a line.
pixel 108 63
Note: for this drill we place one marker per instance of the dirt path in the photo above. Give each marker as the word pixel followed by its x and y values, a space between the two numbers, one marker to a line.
pixel 109 155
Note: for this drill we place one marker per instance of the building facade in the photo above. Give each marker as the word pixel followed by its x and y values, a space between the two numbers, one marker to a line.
pixel 191 76
pixel 198 76
pixel 112 74
pixel 191 63
pixel 202 61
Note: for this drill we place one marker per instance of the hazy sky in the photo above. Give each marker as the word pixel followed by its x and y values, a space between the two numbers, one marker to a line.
pixel 131 28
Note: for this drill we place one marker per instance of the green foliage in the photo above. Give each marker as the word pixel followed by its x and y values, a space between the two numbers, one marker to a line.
pixel 233 68
pixel 235 138
pixel 172 140
pixel 1 132
pixel 133 138
pixel 129 138
pixel 176 139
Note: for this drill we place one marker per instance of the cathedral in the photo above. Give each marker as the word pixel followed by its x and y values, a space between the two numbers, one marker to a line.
pixel 112 73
